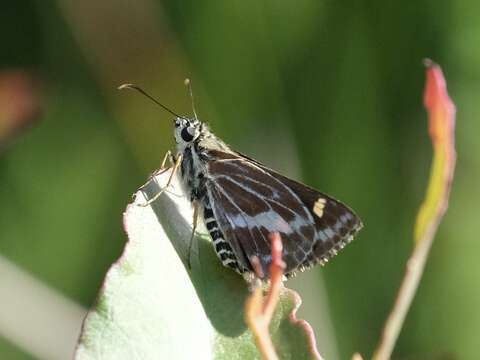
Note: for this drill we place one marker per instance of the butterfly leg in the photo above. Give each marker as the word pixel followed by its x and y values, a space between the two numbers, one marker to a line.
pixel 174 171
pixel 171 159
pixel 194 228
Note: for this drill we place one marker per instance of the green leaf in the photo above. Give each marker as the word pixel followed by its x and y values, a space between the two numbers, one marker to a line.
pixel 151 307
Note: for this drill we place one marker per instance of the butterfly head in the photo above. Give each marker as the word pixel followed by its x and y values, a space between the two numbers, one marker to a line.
pixel 186 131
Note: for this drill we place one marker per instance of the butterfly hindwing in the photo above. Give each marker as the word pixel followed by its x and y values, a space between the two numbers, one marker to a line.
pixel 251 201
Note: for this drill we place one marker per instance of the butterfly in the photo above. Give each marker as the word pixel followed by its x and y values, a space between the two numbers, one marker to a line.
pixel 242 202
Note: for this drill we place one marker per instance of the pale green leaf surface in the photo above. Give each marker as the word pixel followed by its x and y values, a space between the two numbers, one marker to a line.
pixel 151 307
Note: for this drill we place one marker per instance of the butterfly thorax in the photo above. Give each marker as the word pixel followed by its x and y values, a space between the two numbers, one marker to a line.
pixel 193 139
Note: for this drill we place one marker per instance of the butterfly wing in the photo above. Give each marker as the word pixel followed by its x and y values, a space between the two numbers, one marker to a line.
pixel 250 201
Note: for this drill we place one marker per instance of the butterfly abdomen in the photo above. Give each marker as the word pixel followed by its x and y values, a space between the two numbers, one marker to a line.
pixel 222 247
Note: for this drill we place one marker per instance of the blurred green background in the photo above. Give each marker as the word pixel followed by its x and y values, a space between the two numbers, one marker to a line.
pixel 329 92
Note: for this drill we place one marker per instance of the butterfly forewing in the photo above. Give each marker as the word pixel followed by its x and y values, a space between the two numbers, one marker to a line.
pixel 251 201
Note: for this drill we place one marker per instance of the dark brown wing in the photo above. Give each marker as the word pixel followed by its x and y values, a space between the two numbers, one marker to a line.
pixel 250 201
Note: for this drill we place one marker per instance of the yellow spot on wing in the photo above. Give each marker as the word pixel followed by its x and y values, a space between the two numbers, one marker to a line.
pixel 318 207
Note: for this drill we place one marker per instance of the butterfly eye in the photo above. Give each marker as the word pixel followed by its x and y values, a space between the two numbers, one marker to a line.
pixel 186 135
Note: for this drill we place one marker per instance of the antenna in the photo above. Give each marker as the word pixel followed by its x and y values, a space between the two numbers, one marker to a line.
pixel 143 92
pixel 188 84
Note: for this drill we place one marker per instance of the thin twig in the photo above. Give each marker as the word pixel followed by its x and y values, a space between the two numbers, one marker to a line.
pixel 406 293
pixel 259 313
